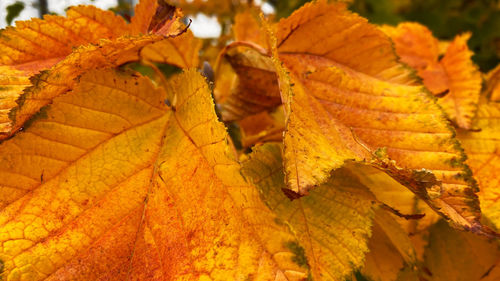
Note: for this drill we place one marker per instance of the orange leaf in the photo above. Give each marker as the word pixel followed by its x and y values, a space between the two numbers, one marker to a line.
pixel 248 28
pixel 455 76
pixel 333 222
pixel 181 51
pixel 154 16
pixel 262 127
pixel 135 191
pixel 348 98
pixel 23 57
pixel 22 54
pixel 62 77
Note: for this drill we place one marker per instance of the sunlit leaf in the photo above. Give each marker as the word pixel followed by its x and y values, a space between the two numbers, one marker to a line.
pixel 136 191
pixel 332 223
pixel 492 84
pixel 483 150
pixel 256 86
pixel 352 100
pixel 23 56
pixel 181 51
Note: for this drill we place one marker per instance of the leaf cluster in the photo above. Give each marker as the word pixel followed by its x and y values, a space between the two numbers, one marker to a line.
pixel 315 147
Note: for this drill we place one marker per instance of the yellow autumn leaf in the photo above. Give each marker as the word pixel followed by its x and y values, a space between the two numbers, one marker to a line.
pixel 456 255
pixel 248 28
pixel 94 30
pixel 390 249
pixel 454 76
pixel 22 54
pixel 483 150
pixel 412 213
pixel 181 51
pixel 353 101
pixel 135 191
pixel 415 215
pixel 332 223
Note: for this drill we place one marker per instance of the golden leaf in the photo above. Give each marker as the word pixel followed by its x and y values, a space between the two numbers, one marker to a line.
pixel 22 54
pixel 181 51
pixel 390 249
pixel 138 190
pixel 248 28
pixel 85 26
pixel 398 198
pixel 348 98
pixel 483 150
pixel 63 76
pixel 455 77
pixel 460 256
pixel 332 223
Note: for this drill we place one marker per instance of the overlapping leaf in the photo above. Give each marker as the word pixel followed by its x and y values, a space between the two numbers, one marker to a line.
pixel 348 98
pixel 390 250
pixel 101 37
pixel 136 191
pixel 333 223
pixel 181 51
pixel 461 256
pixel 23 54
pixel 454 76
pixel 414 215
pixel 483 150
pixel 262 127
